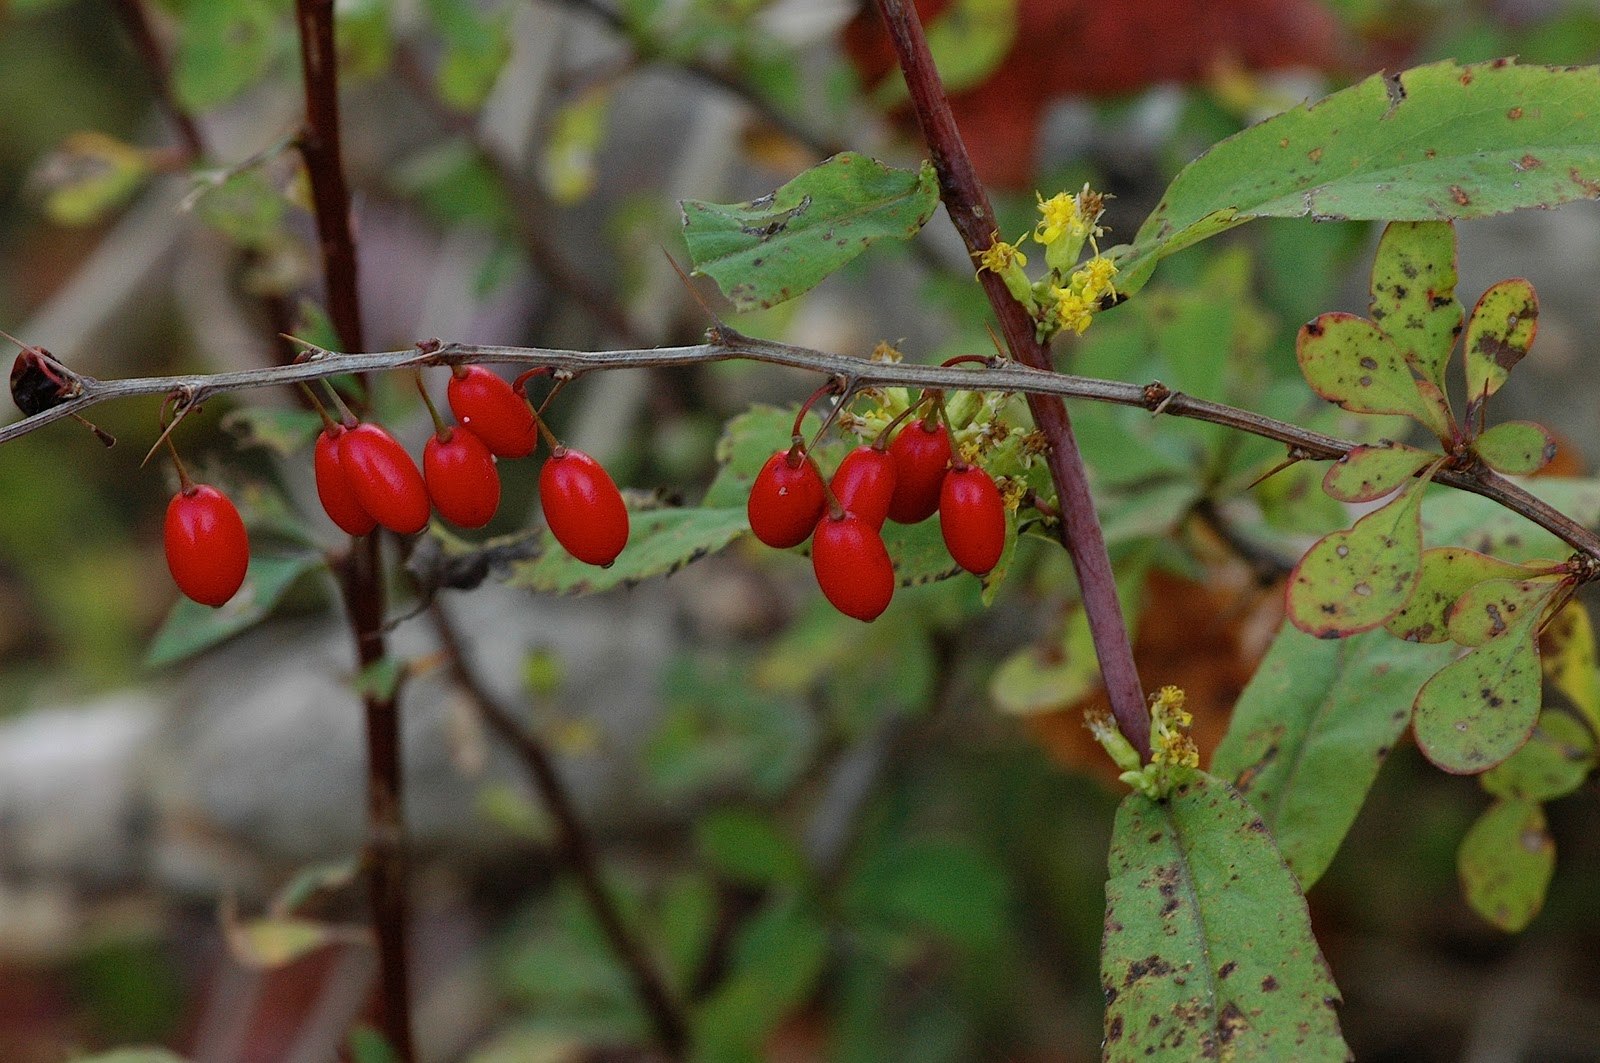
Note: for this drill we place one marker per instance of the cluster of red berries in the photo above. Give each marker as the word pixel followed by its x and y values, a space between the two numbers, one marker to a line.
pixel 365 478
pixel 906 482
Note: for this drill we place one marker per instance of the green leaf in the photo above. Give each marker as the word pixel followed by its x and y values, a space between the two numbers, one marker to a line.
pixel 1311 730
pixel 777 961
pixel 1446 573
pixel 1505 862
pixel 1554 763
pixel 191 628
pixel 748 849
pixel 225 47
pixel 1352 581
pixel 1348 360
pixel 1366 474
pixel 1569 660
pixel 89 176
pixel 284 431
pixel 1487 527
pixel 1481 708
pixel 1491 608
pixel 968 40
pixel 1499 334
pixel 380 680
pixel 245 207
pixel 1208 950
pixel 660 542
pixel 1435 142
pixel 687 920
pixel 369 1046
pixel 363 38
pixel 774 248
pixel 312 880
pixel 1516 448
pixel 941 887
pixel 1044 678
pixel 570 151
pixel 476 47
pixel 1414 292
pixel 267 944
pixel 747 441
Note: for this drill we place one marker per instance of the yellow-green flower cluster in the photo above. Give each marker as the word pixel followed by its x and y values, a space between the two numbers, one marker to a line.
pixel 1006 261
pixel 1174 758
pixel 1067 298
pixel 1066 222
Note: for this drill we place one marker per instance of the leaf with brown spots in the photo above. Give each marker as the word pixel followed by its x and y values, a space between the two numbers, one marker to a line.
pixel 1366 474
pixel 1555 762
pixel 1446 573
pixel 1499 333
pixel 1348 360
pixel 1414 292
pixel 1491 608
pixel 1352 581
pixel 1516 448
pixel 1208 951
pixel 1481 708
pixel 1505 862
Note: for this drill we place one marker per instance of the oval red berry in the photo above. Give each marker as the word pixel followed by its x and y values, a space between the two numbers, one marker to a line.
pixel 852 566
pixel 208 550
pixel 864 483
pixel 785 501
pixel 333 486
pixel 385 479
pixel 496 414
pixel 583 507
pixel 921 455
pixel 461 478
pixel 972 518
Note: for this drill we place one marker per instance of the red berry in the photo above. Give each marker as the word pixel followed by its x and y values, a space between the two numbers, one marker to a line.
pixel 385 479
pixel 972 518
pixel 583 507
pixel 920 454
pixel 494 412
pixel 462 480
pixel 864 483
pixel 333 486
pixel 785 501
pixel 208 550
pixel 852 566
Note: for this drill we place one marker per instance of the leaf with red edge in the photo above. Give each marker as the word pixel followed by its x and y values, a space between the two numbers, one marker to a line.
pixel 1447 572
pixel 1491 608
pixel 1517 448
pixel 1348 360
pixel 1479 709
pixel 1499 333
pixel 1366 474
pixel 1414 292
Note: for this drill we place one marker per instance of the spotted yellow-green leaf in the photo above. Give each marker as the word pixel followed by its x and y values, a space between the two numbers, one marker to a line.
pixel 1208 952
pixel 1490 609
pixel 1447 572
pixel 1516 448
pixel 1481 708
pixel 1505 862
pixel 1569 660
pixel 1353 580
pixel 88 176
pixel 1414 292
pixel 776 247
pixel 1499 333
pixel 1366 474
pixel 1555 762
pixel 1348 360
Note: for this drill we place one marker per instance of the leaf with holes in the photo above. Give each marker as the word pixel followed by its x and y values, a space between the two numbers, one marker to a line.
pixel 1505 862
pixel 1352 581
pixel 1446 573
pixel 1348 360
pixel 1490 609
pixel 1569 660
pixel 1312 728
pixel 1414 292
pixel 1499 333
pixel 1554 763
pixel 774 248
pixel 1366 474
pixel 1481 708
pixel 1516 448
pixel 1434 142
pixel 1208 950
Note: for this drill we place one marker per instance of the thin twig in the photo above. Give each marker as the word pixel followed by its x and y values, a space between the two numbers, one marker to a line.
pixel 573 840
pixel 728 345
pixel 968 206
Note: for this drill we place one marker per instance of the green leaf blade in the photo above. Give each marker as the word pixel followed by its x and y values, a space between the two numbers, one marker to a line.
pixel 192 628
pixel 1499 334
pixel 1366 474
pixel 1554 763
pixel 1208 950
pixel 1481 708
pixel 660 542
pixel 1414 292
pixel 1446 574
pixel 1505 862
pixel 1352 362
pixel 1516 448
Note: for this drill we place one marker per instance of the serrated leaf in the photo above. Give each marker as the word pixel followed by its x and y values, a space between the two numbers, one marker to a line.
pixel 1481 708
pixel 1414 292
pixel 1350 361
pixel 1499 334
pixel 1516 448
pixel 1554 763
pixel 1366 474
pixel 1506 861
pixel 660 542
pixel 1569 660
pixel 1352 581
pixel 191 628
pixel 748 849
pixel 1492 608
pixel 1434 142
pixel 776 247
pixel 225 47
pixel 1311 730
pixel 1446 573
pixel 747 441
pixel 1208 950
